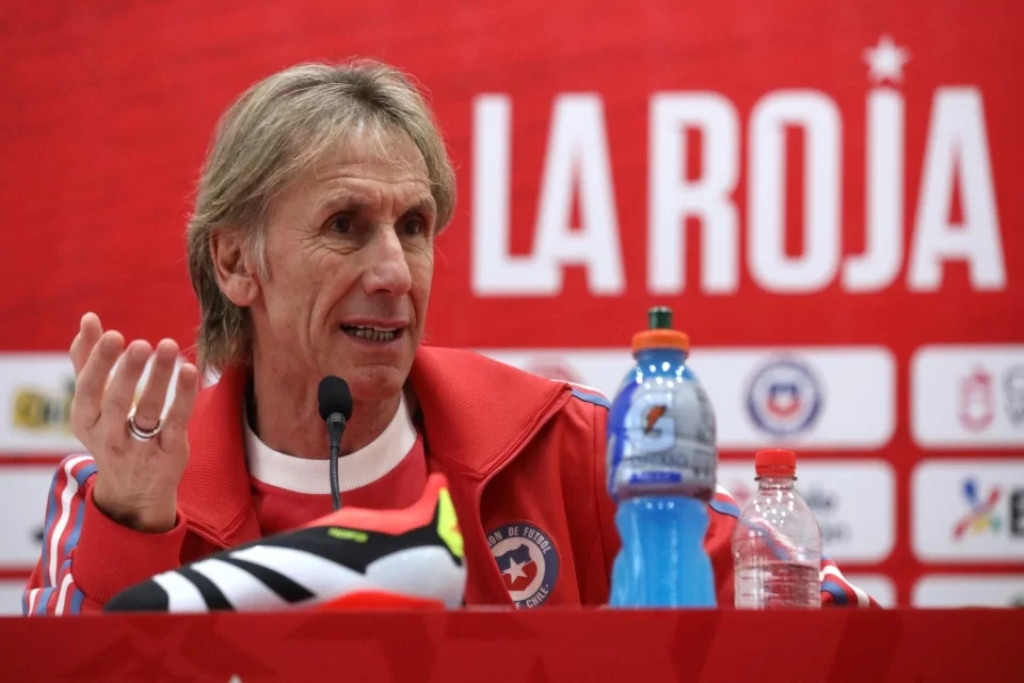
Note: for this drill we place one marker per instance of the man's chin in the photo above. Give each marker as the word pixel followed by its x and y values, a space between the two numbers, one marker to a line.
pixel 375 382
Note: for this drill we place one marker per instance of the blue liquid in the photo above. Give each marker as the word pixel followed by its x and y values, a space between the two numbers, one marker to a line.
pixel 662 562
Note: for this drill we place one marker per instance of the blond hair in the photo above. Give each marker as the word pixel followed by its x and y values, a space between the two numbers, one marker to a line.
pixel 275 129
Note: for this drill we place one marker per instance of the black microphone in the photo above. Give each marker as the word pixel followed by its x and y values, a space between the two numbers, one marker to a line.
pixel 335 401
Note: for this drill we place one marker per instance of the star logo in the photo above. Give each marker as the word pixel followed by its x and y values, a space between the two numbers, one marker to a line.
pixel 527 561
pixel 515 570
pixel 518 568
pixel 886 60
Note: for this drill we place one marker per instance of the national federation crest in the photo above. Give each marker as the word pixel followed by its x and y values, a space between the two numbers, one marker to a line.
pixel 784 398
pixel 528 562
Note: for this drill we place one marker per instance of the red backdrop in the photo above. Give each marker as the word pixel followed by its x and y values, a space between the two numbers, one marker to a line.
pixel 827 180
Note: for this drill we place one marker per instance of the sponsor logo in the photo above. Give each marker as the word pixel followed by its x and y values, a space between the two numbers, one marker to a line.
pixel 784 397
pixel 39 410
pixel 983 517
pixel 977 404
pixel 36 391
pixel 969 510
pixel 528 562
pixel 824 503
pixel 1013 387
pixel 967 396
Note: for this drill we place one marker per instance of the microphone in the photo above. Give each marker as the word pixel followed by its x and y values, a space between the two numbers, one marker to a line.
pixel 335 401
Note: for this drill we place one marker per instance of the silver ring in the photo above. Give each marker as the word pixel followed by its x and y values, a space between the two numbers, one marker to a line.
pixel 138 432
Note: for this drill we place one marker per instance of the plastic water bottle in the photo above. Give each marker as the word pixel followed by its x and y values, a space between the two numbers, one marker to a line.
pixel 777 542
pixel 662 463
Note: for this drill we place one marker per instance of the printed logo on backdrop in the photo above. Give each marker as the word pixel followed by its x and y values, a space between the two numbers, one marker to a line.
pixel 528 561
pixel 36 391
pixel 977 400
pixel 969 395
pixel 37 410
pixel 983 517
pixel 969 510
pixel 825 503
pixel 784 398
pixel 986 511
pixel 1013 386
pixel 579 162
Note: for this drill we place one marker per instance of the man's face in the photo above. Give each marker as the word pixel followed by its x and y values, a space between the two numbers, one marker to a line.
pixel 350 249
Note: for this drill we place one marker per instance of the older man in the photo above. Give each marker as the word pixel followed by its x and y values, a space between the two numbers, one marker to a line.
pixel 311 252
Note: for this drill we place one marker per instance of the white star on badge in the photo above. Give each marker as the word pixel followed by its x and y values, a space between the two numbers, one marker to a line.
pixel 886 60
pixel 515 569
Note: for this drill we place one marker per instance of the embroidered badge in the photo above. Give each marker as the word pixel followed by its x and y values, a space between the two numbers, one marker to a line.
pixel 528 562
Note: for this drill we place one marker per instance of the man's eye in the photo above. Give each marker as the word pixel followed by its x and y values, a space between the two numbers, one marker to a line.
pixel 414 225
pixel 342 224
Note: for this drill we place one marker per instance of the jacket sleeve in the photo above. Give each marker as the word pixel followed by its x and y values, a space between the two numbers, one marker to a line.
pixel 724 515
pixel 87 558
pixel 610 542
pixel 589 511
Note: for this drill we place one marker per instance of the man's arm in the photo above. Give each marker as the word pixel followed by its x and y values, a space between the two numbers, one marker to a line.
pixel 87 558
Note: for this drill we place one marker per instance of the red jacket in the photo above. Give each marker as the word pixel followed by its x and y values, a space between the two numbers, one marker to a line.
pixel 524 457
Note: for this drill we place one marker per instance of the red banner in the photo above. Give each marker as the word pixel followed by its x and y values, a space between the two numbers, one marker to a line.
pixel 825 193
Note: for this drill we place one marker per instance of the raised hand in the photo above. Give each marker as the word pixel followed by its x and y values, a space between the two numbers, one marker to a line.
pixel 139 459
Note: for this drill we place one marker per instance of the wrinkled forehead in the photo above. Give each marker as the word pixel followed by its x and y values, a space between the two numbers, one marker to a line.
pixel 372 147
pixel 364 165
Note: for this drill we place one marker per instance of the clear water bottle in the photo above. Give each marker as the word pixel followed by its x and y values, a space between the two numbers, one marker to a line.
pixel 662 463
pixel 777 542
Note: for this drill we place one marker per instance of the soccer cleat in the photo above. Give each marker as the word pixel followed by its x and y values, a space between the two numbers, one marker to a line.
pixel 350 559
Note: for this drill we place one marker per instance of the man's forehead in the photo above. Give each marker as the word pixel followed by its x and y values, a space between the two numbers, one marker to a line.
pixel 390 153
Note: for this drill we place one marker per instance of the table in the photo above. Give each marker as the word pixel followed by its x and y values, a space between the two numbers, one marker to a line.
pixel 527 646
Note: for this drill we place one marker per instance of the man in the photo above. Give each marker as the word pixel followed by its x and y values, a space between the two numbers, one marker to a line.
pixel 311 253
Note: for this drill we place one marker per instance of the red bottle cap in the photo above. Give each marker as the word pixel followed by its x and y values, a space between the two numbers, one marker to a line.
pixel 775 462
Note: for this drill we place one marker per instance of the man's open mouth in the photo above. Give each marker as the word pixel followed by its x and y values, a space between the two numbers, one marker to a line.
pixel 373 333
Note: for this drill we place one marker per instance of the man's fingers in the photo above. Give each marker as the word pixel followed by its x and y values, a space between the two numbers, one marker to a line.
pixel 151 403
pixel 174 434
pixel 92 380
pixel 89 332
pixel 121 392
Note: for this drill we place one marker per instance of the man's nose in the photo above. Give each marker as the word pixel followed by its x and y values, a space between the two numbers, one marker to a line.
pixel 387 271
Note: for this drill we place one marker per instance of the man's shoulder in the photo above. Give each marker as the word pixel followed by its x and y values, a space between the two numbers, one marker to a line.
pixel 486 411
pixel 476 372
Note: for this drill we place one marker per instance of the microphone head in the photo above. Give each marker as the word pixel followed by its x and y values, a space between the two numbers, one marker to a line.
pixel 334 396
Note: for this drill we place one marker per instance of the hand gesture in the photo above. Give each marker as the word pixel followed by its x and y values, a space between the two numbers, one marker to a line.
pixel 139 458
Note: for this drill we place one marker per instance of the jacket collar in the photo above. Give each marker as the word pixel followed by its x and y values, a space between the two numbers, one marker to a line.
pixel 477 415
pixel 215 494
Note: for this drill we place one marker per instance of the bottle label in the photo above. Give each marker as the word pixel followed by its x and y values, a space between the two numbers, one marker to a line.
pixel 662 440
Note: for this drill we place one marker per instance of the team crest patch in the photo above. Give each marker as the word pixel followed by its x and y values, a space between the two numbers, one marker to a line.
pixel 528 562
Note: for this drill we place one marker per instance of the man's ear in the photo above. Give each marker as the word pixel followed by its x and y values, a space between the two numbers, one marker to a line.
pixel 236 273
